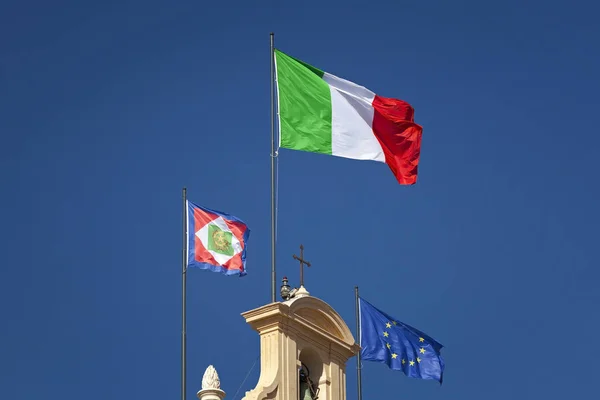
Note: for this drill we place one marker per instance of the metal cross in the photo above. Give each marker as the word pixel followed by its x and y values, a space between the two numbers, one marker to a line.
pixel 302 262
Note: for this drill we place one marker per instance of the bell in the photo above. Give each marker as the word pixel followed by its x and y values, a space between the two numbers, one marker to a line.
pixel 305 392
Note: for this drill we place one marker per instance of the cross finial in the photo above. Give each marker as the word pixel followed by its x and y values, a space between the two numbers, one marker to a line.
pixel 302 263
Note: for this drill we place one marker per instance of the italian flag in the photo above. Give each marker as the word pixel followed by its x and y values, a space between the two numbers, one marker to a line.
pixel 321 113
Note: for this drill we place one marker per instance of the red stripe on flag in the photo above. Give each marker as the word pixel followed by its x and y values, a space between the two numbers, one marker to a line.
pixel 202 218
pixel 399 136
pixel 238 229
pixel 235 264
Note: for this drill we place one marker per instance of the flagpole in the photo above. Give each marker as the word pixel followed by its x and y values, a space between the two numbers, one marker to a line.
pixel 183 295
pixel 273 155
pixel 358 358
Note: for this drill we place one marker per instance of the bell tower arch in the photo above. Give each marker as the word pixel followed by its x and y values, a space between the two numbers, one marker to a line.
pixel 304 348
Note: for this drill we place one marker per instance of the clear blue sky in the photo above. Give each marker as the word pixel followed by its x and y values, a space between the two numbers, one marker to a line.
pixel 109 108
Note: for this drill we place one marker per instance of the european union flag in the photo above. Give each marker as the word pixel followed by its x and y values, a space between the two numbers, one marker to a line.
pixel 398 345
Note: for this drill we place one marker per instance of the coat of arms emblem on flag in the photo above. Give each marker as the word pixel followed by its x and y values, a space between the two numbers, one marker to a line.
pixel 216 241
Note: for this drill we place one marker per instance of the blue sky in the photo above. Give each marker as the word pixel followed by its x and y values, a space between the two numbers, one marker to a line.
pixel 107 109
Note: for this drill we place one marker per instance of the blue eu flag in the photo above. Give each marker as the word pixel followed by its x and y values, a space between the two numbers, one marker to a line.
pixel 398 345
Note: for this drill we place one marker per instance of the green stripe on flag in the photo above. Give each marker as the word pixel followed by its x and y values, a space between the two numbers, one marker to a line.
pixel 304 106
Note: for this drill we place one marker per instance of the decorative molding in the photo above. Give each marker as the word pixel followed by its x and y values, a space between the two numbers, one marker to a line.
pixel 321 320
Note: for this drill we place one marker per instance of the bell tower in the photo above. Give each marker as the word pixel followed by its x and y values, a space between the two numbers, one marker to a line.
pixel 304 347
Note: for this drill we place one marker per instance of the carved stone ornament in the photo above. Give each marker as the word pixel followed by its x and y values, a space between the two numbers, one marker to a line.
pixel 210 380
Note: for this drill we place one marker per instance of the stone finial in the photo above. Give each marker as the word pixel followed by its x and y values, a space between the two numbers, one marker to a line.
pixel 211 385
pixel 210 380
pixel 302 292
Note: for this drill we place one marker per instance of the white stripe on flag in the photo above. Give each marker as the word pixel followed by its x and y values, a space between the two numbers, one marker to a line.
pixel 352 119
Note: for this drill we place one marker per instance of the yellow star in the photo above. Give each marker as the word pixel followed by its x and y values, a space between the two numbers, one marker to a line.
pixel 386 334
pixel 403 361
pixel 411 363
pixel 422 350
pixel 418 359
pixel 388 325
pixel 394 355
pixel 394 322
pixel 389 346
pixel 421 340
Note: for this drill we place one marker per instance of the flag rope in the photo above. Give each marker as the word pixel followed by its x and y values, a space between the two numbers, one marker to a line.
pixel 276 193
pixel 244 381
